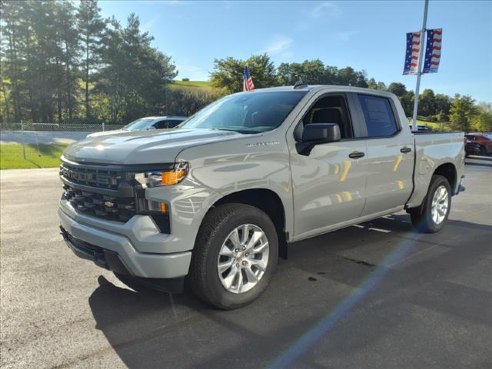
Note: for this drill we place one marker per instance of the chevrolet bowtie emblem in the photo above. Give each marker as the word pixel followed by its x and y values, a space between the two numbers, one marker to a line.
pixel 108 204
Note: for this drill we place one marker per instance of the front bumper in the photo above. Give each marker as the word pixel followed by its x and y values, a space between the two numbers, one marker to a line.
pixel 113 247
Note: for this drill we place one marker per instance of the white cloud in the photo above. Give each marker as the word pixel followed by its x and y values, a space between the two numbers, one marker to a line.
pixel 324 9
pixel 344 35
pixel 279 45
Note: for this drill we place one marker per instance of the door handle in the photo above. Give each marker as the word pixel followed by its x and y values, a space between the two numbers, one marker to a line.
pixel 356 155
pixel 405 150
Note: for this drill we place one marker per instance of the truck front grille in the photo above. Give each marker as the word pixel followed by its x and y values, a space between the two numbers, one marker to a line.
pixel 102 206
pixel 111 192
pixel 100 191
pixel 89 176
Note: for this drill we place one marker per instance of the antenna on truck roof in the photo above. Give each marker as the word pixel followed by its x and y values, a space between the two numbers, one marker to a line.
pixel 300 84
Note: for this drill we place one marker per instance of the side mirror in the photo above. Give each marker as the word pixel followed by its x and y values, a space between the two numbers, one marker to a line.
pixel 314 134
pixel 318 133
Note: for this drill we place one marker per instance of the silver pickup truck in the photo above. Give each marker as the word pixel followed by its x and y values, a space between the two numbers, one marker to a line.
pixel 218 199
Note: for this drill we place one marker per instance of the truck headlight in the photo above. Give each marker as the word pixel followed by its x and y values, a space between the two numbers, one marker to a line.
pixel 166 177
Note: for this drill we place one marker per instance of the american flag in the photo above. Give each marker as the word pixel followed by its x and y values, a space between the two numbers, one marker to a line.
pixel 433 50
pixel 248 84
pixel 412 54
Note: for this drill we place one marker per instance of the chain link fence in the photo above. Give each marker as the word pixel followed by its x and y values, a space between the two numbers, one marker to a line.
pixel 60 127
pixel 43 139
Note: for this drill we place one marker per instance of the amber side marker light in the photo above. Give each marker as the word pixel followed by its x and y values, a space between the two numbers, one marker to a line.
pixel 163 208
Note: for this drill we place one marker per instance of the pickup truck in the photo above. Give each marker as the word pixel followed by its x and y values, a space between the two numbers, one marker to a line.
pixel 217 200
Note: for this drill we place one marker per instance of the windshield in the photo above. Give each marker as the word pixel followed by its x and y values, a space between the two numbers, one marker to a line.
pixel 247 113
pixel 139 124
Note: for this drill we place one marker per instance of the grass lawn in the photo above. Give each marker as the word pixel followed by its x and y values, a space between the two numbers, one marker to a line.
pixel 48 156
pixel 435 126
pixel 192 85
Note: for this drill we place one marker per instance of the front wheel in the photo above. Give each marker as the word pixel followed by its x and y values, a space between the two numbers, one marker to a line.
pixel 434 211
pixel 235 255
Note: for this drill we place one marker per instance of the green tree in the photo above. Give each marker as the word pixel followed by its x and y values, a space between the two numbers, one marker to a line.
pixel 311 72
pixel 228 73
pixel 330 76
pixel 40 58
pixel 69 44
pixel 427 103
pixel 349 77
pixel 12 61
pixel 184 102
pixel 398 89
pixel 482 122
pixel 372 84
pixel 462 112
pixel 407 101
pixel 135 75
pixel 290 74
pixel 90 27
pixel 442 106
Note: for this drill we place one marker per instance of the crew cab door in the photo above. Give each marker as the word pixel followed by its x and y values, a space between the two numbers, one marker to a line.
pixel 328 180
pixel 390 156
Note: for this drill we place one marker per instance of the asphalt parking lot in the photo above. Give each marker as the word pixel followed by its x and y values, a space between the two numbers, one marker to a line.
pixel 378 295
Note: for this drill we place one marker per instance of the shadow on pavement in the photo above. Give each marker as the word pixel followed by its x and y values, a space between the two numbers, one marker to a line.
pixel 155 330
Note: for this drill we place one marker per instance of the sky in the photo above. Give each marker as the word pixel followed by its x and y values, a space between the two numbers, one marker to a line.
pixel 366 35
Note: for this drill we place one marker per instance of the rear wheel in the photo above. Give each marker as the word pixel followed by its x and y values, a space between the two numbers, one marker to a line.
pixel 235 255
pixel 434 211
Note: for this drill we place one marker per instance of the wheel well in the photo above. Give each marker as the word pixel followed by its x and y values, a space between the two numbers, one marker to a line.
pixel 449 172
pixel 267 201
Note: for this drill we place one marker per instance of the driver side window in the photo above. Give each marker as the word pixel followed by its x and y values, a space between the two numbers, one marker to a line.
pixel 330 109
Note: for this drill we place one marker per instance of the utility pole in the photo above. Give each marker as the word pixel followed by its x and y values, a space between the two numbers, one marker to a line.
pixel 419 67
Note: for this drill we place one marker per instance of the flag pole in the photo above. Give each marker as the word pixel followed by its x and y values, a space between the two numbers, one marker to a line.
pixel 419 68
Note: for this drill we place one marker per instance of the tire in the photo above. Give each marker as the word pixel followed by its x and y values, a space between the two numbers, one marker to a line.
pixel 222 239
pixel 431 216
pixel 482 151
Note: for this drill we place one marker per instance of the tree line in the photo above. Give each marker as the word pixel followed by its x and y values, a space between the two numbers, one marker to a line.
pixel 63 62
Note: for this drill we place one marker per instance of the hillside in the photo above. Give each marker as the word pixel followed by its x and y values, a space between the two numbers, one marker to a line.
pixel 192 85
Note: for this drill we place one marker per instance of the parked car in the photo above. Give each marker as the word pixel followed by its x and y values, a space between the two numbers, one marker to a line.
pixel 146 124
pixel 218 199
pixel 478 144
pixel 472 148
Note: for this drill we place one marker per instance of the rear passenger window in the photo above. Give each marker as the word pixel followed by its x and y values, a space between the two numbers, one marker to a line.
pixel 173 123
pixel 379 116
pixel 162 124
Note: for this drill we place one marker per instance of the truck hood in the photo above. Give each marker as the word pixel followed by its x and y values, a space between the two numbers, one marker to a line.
pixel 106 133
pixel 143 146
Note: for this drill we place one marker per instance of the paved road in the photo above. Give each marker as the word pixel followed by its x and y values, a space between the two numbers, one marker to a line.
pixel 375 296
